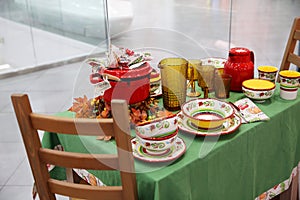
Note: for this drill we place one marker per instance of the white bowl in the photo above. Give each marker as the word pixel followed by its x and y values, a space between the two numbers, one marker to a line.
pixel 158 143
pixel 207 113
pixel 267 73
pixel 158 127
pixel 258 90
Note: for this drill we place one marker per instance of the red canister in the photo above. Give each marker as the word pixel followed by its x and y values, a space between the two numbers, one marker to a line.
pixel 240 65
pixel 133 84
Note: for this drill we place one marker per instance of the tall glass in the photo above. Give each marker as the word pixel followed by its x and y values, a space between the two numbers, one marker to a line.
pixel 173 79
pixel 192 76
pixel 206 77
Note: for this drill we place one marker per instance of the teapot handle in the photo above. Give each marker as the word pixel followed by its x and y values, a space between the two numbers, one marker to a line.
pixel 252 56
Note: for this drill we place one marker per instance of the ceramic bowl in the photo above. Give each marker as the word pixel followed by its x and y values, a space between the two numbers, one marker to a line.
pixel 289 83
pixel 258 89
pixel 216 62
pixel 267 73
pixel 158 143
pixel 207 113
pixel 289 78
pixel 158 127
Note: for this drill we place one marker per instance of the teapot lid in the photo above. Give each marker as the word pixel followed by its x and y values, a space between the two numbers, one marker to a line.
pixel 239 51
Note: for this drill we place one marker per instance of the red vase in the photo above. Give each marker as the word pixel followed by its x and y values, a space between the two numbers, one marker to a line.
pixel 240 65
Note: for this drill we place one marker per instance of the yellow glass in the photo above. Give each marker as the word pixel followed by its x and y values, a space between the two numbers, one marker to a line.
pixel 173 78
pixel 206 77
pixel 192 76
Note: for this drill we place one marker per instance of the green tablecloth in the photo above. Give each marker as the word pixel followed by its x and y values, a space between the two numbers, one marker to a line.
pixel 238 166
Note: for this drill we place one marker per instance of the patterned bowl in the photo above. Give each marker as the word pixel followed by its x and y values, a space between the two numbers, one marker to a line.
pixel 258 90
pixel 216 62
pixel 207 113
pixel 289 83
pixel 267 73
pixel 158 143
pixel 158 127
pixel 289 78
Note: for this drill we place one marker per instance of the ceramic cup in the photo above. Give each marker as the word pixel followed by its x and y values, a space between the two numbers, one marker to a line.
pixel 267 73
pixel 289 83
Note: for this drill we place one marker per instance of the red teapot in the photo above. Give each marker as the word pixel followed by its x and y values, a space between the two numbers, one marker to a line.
pixel 240 65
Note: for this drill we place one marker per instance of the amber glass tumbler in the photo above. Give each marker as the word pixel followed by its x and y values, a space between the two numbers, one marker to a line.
pixel 173 78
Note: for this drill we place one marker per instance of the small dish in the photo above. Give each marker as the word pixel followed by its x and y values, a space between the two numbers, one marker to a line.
pixel 185 125
pixel 207 113
pixel 176 151
pixel 258 90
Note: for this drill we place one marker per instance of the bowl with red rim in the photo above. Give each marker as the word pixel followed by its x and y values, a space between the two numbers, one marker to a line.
pixel 207 113
pixel 267 73
pixel 158 127
pixel 258 90
pixel 289 83
pixel 158 143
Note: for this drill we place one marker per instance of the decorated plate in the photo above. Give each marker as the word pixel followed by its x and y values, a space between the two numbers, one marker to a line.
pixel 157 93
pixel 173 153
pixel 185 125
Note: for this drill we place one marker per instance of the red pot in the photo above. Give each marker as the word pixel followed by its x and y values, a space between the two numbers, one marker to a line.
pixel 133 84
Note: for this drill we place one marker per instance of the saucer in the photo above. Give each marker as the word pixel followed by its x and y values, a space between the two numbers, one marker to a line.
pixel 186 125
pixel 173 153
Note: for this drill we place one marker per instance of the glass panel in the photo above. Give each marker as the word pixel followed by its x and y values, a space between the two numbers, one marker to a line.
pixel 42 34
pixel 190 29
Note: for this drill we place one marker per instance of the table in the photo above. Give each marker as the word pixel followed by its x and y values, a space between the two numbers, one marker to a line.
pixel 240 165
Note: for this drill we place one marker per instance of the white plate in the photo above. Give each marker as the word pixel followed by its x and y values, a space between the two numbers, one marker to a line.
pixel 185 125
pixel 173 153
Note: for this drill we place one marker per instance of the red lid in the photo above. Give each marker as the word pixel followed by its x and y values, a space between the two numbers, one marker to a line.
pixel 239 51
pixel 124 73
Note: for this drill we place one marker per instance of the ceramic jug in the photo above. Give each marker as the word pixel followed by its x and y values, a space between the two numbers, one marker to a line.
pixel 240 65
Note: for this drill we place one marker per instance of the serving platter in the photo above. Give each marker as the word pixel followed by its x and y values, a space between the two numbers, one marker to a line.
pixel 185 125
pixel 173 153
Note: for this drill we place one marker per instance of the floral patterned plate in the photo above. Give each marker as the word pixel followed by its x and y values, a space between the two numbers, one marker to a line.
pixel 173 153
pixel 185 125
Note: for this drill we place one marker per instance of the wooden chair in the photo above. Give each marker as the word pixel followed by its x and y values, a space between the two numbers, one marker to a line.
pixel 289 54
pixel 38 157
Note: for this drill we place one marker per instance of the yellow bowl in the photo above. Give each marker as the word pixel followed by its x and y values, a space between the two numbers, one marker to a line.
pixel 289 74
pixel 258 89
pixel 267 69
pixel 289 79
pixel 207 113
pixel 267 73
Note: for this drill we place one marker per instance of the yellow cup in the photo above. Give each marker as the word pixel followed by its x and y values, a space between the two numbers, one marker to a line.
pixel 173 78
pixel 267 73
pixel 206 77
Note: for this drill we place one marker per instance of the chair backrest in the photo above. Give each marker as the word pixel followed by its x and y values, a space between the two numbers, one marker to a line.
pixel 123 161
pixel 289 53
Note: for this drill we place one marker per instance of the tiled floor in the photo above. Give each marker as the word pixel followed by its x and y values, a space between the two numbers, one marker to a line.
pixel 262 26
